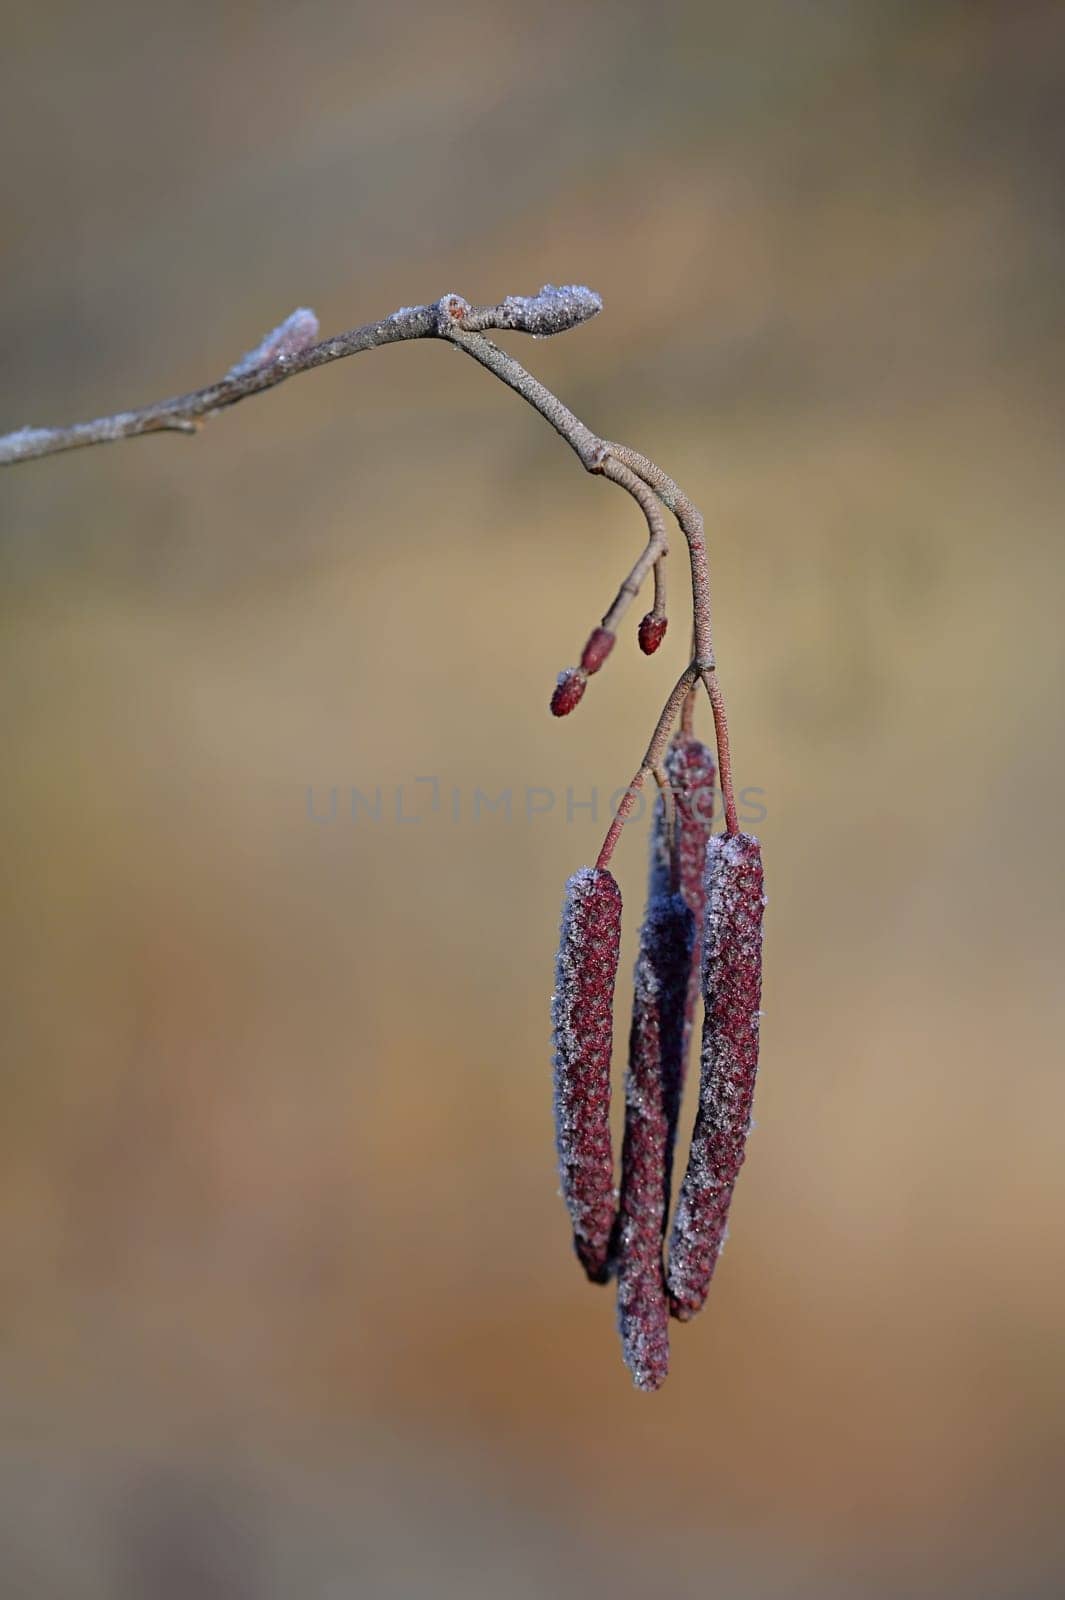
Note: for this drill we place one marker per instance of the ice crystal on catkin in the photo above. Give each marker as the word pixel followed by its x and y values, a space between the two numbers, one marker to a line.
pixel 692 774
pixel 655 1045
pixel 568 691
pixel 583 1018
pixel 732 985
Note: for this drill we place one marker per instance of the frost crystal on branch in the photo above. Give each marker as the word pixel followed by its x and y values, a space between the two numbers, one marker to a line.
pixel 732 986
pixel 552 310
pixel 296 334
pixel 583 1017
pixel 655 1044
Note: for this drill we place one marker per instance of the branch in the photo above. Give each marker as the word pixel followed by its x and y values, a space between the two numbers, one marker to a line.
pixel 290 349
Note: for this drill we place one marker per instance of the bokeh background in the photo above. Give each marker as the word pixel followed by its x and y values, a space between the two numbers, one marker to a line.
pixel 288 1300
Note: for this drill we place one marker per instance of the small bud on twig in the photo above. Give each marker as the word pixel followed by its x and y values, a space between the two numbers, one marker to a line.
pixel 655 1043
pixel 600 643
pixel 652 631
pixel 583 1016
pixel 732 984
pixel 568 691
pixel 552 310
pixel 296 334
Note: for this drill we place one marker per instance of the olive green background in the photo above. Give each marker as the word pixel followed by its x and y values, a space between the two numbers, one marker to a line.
pixel 288 1303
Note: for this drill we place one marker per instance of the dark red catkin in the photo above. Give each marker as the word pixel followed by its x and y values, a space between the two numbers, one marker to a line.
pixel 568 691
pixel 732 987
pixel 584 1027
pixel 651 632
pixel 600 643
pixel 692 774
pixel 655 1044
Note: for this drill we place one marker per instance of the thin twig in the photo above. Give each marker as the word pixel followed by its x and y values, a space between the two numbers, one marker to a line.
pixel 687 714
pixel 652 759
pixel 691 523
pixel 656 550
pixel 724 752
pixel 291 348
pixel 658 608
pixel 551 311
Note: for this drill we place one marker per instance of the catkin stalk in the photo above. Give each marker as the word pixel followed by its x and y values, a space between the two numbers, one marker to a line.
pixel 732 983
pixel 583 1020
pixel 655 1044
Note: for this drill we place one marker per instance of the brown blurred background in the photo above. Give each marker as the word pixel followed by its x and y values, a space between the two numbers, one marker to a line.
pixel 288 1300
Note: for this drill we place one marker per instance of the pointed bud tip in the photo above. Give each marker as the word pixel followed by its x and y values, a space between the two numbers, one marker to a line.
pixel 652 632
pixel 568 691
pixel 600 643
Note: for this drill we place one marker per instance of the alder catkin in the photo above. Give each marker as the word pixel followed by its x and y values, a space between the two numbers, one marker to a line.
pixel 582 1008
pixel 568 691
pixel 692 774
pixel 732 985
pixel 600 643
pixel 651 632
pixel 655 1043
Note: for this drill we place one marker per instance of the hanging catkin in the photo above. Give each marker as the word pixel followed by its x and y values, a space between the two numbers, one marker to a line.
pixel 692 774
pixel 583 1018
pixel 655 1044
pixel 732 983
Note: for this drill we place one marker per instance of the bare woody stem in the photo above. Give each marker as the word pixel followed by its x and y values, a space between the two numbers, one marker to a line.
pixel 551 311
pixel 724 752
pixel 687 714
pixel 293 347
pixel 691 523
pixel 653 555
pixel 652 760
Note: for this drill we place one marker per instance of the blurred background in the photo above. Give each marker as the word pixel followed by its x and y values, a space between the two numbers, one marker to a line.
pixel 288 1300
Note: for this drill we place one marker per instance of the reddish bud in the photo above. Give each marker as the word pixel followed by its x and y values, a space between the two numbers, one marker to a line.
pixel 582 1007
pixel 551 311
pixel 568 691
pixel 655 1045
pixel 651 633
pixel 732 986
pixel 600 643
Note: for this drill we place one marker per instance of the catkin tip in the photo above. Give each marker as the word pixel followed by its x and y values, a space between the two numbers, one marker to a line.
pixel 656 1041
